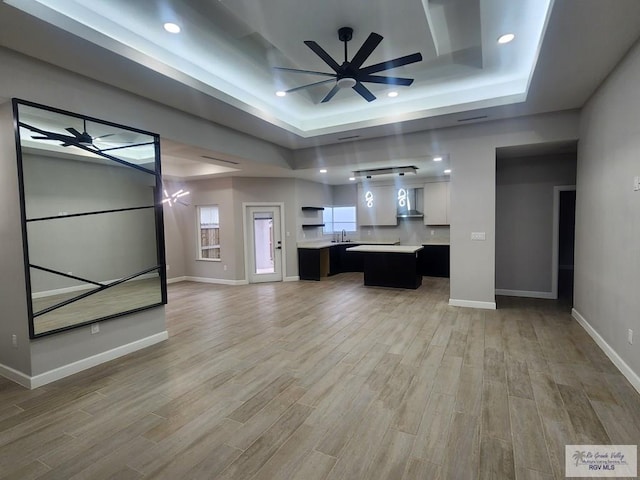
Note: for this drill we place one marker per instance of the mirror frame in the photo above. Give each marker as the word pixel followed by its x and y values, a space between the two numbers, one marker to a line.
pixel 157 208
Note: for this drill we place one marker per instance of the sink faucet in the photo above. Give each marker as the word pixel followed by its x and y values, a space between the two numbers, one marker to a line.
pixel 344 234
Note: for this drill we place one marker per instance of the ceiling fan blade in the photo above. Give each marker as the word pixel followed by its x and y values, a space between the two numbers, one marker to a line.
pixel 318 50
pixel 331 93
pixel 309 85
pixel 364 92
pixel 366 49
pixel 311 72
pixel 42 138
pixel 388 65
pixel 405 82
pixel 73 131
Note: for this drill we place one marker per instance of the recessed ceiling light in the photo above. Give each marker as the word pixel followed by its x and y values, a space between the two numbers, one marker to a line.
pixel 437 159
pixel 447 171
pixel 281 93
pixel 323 170
pixel 506 38
pixel 172 27
pixel 392 94
pixel 352 179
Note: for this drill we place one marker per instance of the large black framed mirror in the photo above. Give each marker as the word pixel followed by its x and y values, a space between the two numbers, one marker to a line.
pixel 91 194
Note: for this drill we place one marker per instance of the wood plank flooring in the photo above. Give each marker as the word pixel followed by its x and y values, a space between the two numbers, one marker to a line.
pixel 328 380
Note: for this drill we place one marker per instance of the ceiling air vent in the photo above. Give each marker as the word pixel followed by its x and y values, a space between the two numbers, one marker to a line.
pixel 219 160
pixel 470 119
pixel 385 171
pixel 348 138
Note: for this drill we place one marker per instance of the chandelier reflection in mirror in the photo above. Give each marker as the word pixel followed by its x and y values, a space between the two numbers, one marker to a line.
pixel 91 198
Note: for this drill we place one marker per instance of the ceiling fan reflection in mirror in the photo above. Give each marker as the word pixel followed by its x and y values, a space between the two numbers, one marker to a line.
pixel 351 74
pixel 76 138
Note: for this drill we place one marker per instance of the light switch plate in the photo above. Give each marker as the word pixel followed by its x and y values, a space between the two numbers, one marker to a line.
pixel 636 183
pixel 478 236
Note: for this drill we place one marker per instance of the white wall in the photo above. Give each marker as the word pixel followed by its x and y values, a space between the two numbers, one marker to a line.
pixel 472 151
pixel 607 255
pixel 524 220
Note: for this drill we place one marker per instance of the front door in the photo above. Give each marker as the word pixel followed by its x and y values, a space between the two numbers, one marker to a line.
pixel 265 244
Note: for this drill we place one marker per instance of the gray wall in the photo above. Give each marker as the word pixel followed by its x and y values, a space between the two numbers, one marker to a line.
pixel 524 219
pixel 208 192
pixel 13 295
pixel 607 256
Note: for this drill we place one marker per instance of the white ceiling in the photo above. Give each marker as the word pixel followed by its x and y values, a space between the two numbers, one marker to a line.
pixel 465 73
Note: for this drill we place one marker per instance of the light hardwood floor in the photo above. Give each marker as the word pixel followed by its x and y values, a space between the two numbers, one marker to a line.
pixel 328 380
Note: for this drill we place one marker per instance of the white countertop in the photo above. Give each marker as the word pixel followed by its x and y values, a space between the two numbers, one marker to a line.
pixel 327 243
pixel 436 242
pixel 386 248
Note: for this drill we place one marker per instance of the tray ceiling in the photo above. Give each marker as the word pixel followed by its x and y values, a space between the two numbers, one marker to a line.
pixel 227 48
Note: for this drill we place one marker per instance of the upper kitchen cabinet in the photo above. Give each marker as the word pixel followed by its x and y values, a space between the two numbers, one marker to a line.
pixel 436 203
pixel 377 205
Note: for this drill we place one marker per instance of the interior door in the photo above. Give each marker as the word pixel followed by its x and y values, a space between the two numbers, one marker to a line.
pixel 265 244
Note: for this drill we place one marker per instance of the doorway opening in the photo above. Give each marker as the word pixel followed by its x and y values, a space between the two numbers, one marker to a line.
pixel 564 241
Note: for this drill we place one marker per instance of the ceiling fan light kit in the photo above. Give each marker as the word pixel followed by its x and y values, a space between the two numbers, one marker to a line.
pixel 351 74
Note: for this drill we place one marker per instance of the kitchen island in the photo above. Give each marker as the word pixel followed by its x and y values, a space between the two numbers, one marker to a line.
pixel 318 259
pixel 390 265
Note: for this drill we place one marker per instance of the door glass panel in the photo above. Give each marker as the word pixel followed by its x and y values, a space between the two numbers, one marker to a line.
pixel 263 242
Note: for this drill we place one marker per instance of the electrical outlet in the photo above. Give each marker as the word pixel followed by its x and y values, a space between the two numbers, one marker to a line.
pixel 14 341
pixel 636 183
pixel 168 267
pixel 433 232
pixel 224 267
pixel 95 328
pixel 630 336
pixel 478 236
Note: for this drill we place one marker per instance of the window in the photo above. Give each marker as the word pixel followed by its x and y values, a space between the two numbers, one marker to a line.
pixel 209 233
pixel 336 219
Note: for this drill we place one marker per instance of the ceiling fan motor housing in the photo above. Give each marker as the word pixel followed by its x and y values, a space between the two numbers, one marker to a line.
pixel 345 34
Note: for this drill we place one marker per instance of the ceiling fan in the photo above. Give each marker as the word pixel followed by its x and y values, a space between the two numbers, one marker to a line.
pixel 76 138
pixel 351 74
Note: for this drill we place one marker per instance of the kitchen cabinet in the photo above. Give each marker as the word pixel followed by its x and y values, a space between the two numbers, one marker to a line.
pixel 313 263
pixel 433 261
pixel 393 266
pixel 436 203
pixel 377 205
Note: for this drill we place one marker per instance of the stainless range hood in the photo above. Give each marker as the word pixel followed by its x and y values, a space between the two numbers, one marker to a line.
pixel 410 203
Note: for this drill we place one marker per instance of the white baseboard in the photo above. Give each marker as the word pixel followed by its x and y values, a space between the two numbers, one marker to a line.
pixel 176 280
pixel 15 376
pixel 81 288
pixel 472 304
pixel 525 293
pixel 217 281
pixel 292 279
pixel 84 364
pixel 617 360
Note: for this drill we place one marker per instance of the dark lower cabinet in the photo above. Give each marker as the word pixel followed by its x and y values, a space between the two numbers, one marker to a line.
pixel 313 263
pixel 396 270
pixel 433 261
pixel 351 261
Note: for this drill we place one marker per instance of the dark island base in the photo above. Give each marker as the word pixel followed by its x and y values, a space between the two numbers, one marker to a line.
pixel 396 270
